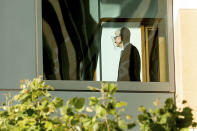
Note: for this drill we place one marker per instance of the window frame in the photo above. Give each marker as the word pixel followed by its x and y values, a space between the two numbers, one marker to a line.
pixel 147 87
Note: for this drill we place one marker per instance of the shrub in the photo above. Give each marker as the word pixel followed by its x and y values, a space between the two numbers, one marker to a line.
pixel 32 109
pixel 166 118
pixel 105 112
pixel 35 109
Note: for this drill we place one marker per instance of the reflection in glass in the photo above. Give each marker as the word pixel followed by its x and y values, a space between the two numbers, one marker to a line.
pixel 69 50
pixel 79 40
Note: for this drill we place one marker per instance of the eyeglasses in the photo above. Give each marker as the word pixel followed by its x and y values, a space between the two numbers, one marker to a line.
pixel 116 37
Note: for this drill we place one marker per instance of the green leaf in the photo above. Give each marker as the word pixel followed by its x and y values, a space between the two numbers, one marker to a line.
pixel 111 108
pixel 93 88
pixel 184 129
pixel 157 127
pixel 122 124
pixel 128 117
pixel 112 88
pixel 48 125
pixel 44 102
pixel 105 87
pixel 93 101
pixel 46 109
pixel 69 112
pixel 169 103
pixel 74 121
pixel 65 110
pixel 30 112
pixel 131 125
pixel 194 124
pixel 87 121
pixel 101 111
pixel 121 104
pixel 58 102
pixel 141 118
pixel 142 109
pixel 80 103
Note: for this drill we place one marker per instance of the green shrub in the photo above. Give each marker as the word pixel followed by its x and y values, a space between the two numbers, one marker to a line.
pixel 105 112
pixel 36 110
pixel 33 109
pixel 166 118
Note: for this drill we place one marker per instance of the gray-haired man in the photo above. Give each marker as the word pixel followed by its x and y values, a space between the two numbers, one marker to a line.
pixel 129 65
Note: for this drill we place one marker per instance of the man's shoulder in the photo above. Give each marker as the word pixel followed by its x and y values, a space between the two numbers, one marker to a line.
pixel 131 47
pixel 134 51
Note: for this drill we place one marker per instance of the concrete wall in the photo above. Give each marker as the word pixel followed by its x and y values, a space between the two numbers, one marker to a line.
pixel 17 42
pixel 185 30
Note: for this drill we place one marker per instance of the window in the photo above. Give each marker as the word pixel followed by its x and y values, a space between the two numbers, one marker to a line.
pixel 129 42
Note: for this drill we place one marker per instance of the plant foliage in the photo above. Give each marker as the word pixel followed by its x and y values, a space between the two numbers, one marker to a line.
pixel 166 118
pixel 34 109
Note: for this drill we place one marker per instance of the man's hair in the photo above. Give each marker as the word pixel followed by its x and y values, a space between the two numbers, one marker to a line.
pixel 125 34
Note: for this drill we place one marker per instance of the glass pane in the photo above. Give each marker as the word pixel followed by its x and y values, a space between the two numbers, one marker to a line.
pixel 105 40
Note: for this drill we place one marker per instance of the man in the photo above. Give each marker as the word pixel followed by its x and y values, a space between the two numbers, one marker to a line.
pixel 129 65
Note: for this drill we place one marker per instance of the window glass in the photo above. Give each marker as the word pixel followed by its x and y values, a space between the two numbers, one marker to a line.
pixel 105 40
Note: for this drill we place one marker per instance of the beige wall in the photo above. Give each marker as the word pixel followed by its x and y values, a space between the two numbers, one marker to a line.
pixel 186 56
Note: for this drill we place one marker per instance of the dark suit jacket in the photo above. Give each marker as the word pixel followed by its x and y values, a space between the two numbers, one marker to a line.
pixel 129 66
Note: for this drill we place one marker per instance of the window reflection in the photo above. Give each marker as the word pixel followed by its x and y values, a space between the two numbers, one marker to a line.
pixel 126 42
pixel 69 50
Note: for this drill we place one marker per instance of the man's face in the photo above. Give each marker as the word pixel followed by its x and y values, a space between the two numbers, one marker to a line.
pixel 118 41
